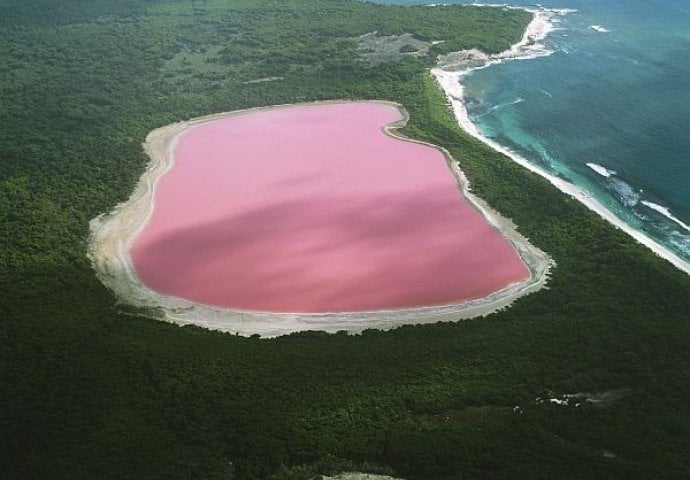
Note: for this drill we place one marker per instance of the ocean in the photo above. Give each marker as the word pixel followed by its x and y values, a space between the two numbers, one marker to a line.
pixel 608 110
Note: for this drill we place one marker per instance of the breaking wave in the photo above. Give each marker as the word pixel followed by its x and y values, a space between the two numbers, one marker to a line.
pixel 501 105
pixel 599 28
pixel 666 213
pixel 603 171
pixel 625 192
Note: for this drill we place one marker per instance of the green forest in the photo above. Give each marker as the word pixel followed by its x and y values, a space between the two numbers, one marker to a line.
pixel 92 389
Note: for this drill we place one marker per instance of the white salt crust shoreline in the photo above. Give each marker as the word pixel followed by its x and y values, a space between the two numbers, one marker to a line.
pixel 454 66
pixel 112 235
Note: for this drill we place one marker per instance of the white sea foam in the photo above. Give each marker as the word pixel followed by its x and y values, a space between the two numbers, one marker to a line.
pixel 537 30
pixel 532 8
pixel 599 28
pixel 627 194
pixel 546 93
pixel 666 213
pixel 603 171
pixel 502 105
pixel 680 241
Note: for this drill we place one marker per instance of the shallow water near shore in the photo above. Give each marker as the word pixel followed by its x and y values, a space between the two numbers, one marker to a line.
pixel 606 111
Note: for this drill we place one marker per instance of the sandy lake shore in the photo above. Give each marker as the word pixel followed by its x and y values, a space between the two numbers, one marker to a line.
pixel 112 235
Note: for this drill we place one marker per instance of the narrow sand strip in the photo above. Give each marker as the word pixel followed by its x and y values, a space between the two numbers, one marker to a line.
pixel 454 66
pixel 112 235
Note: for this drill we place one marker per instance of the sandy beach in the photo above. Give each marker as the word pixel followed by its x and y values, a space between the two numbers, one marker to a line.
pixel 451 68
pixel 112 236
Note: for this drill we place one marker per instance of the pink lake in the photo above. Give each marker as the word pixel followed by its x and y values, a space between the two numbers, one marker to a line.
pixel 311 209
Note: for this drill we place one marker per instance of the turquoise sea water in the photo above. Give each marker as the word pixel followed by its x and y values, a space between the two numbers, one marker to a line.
pixel 609 110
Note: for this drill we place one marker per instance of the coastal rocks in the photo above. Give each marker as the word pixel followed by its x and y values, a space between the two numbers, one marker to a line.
pixel 462 60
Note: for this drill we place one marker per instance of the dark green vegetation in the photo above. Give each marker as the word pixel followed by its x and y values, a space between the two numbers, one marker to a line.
pixel 87 392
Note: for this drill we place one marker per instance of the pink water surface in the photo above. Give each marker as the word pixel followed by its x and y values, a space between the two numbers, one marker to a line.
pixel 314 209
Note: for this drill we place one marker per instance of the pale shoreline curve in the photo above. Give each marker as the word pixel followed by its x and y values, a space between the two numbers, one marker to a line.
pixel 112 235
pixel 451 68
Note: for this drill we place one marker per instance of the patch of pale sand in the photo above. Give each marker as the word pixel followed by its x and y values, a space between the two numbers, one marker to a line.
pixel 112 235
pixel 358 476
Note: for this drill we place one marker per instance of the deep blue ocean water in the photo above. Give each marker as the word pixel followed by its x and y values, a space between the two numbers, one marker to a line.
pixel 618 100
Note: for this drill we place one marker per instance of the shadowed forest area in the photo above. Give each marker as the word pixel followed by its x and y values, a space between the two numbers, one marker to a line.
pixel 92 389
